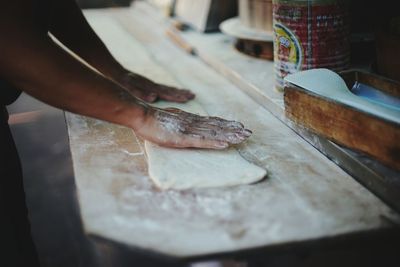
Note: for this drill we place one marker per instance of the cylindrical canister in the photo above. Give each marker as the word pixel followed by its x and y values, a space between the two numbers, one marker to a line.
pixel 310 34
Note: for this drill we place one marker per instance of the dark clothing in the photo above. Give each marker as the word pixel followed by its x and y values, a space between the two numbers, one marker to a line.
pixel 16 244
pixel 8 94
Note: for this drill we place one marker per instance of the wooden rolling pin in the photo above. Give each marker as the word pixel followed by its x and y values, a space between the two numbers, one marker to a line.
pixel 174 35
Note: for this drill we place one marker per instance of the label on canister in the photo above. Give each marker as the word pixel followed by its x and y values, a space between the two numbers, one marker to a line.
pixel 310 34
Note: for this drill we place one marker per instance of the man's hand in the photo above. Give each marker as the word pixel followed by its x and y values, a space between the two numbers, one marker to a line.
pixel 46 71
pixel 176 128
pixel 70 27
pixel 150 91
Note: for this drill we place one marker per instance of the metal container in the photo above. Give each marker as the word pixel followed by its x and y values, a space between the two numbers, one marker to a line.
pixel 310 34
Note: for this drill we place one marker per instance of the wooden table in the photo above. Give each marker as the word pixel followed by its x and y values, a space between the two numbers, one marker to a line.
pixel 305 198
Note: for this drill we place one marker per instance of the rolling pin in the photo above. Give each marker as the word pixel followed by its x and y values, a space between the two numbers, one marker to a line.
pixel 178 40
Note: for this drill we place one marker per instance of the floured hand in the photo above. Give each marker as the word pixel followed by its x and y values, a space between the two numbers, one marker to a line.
pixel 176 128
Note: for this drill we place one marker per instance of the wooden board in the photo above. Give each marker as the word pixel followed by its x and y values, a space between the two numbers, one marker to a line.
pixel 306 197
pixel 346 124
pixel 255 77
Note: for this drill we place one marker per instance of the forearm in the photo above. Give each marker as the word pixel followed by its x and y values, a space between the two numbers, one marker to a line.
pixel 70 27
pixel 30 60
pixel 48 73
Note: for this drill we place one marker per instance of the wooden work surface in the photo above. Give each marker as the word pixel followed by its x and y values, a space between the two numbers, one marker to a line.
pixel 305 196
pixel 218 51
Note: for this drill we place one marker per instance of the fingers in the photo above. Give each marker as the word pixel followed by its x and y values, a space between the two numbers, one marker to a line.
pixel 231 132
pixel 218 122
pixel 205 139
pixel 211 128
pixel 215 131
pixel 150 91
pixel 151 97
pixel 200 142
pixel 177 128
pixel 145 96
pixel 222 133
pixel 169 94
pixel 174 95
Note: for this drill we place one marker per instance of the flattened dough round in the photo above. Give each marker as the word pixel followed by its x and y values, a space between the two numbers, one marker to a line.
pixel 171 168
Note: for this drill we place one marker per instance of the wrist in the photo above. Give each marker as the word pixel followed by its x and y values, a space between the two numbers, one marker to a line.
pixel 142 114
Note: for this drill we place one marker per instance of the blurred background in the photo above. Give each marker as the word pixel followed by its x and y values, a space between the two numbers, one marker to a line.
pixel 41 136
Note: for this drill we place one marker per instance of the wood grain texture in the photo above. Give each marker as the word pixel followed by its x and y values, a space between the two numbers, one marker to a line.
pixel 177 39
pixel 306 197
pixel 345 125
pixel 255 78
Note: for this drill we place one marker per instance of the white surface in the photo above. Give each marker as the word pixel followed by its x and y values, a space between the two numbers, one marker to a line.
pixel 196 168
pixel 330 85
pixel 305 196
pixel 235 28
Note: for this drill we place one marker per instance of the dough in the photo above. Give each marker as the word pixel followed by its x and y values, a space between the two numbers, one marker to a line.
pixel 171 168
